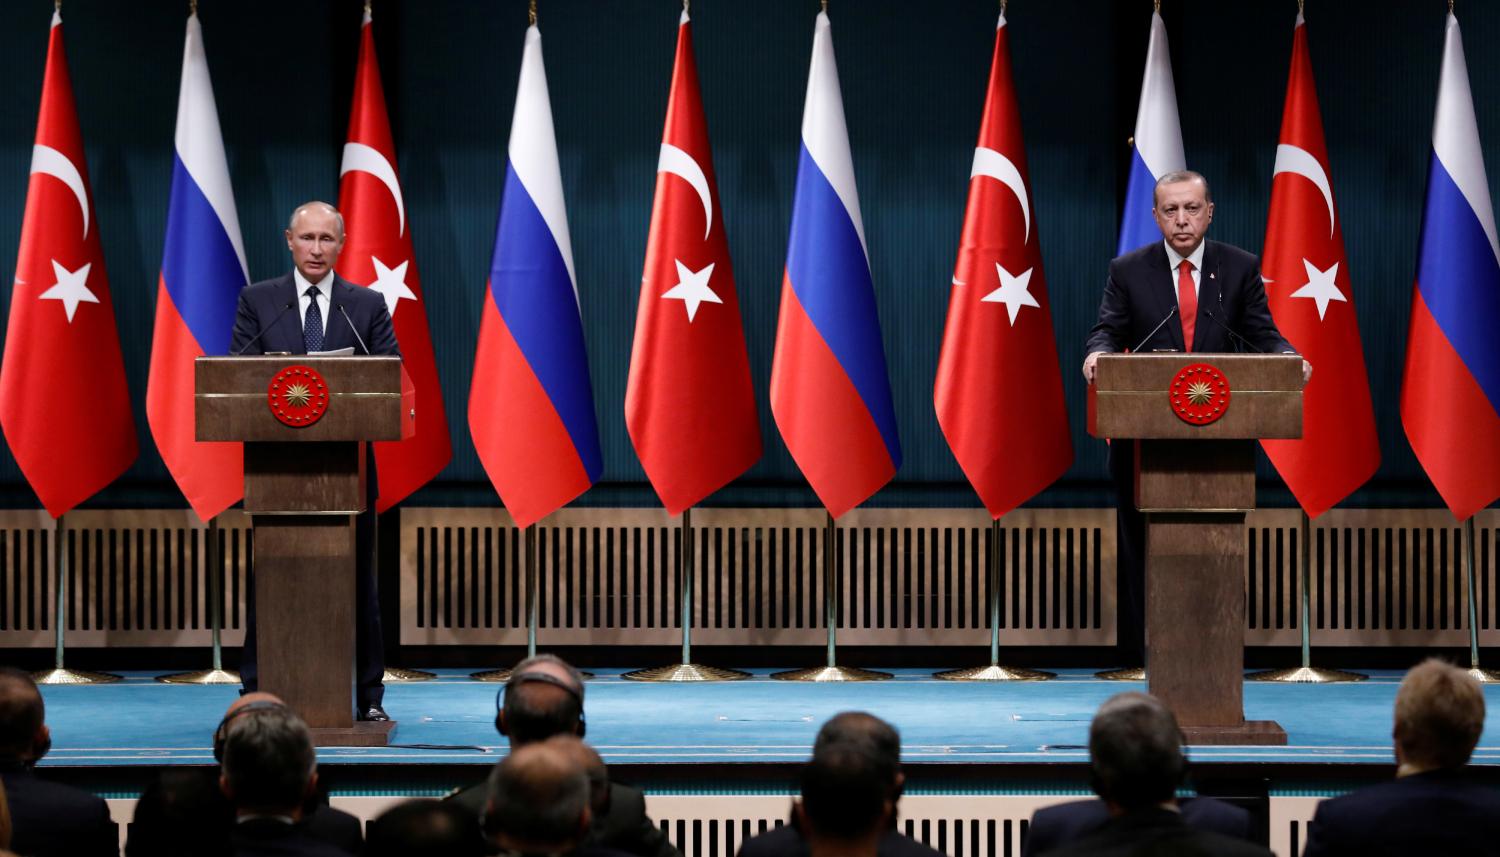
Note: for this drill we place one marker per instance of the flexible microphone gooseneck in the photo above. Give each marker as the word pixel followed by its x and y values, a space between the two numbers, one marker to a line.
pixel 352 329
pixel 264 330
pixel 1155 330
pixel 1227 329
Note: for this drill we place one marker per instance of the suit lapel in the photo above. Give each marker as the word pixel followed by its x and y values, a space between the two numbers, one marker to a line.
pixel 1163 287
pixel 289 326
pixel 1208 289
pixel 336 332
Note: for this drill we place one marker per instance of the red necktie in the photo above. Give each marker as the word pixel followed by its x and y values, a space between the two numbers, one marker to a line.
pixel 1187 302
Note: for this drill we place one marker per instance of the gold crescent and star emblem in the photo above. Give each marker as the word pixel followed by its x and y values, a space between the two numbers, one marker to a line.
pixel 298 396
pixel 1199 394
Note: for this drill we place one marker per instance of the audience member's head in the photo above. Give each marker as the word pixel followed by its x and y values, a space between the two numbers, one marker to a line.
pixel 243 704
pixel 182 815
pixel 1439 717
pixel 543 698
pixel 24 737
pixel 425 827
pixel 269 766
pixel 595 770
pixel 539 798
pixel 847 797
pixel 1135 752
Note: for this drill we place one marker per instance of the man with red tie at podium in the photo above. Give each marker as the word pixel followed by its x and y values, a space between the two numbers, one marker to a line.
pixel 331 314
pixel 1184 293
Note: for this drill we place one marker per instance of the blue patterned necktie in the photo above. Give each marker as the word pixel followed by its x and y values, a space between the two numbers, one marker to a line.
pixel 312 325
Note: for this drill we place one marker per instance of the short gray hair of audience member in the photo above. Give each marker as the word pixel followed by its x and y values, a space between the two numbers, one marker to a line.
pixel 1135 751
pixel 291 222
pixel 1439 715
pixel 425 826
pixel 846 790
pixel 269 761
pixel 573 673
pixel 539 797
pixel 1179 176
pixel 860 726
pixel 22 714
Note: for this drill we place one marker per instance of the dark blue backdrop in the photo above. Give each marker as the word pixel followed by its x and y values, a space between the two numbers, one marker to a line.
pixel 913 76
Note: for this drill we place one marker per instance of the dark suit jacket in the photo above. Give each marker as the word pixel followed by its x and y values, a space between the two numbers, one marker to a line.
pixel 50 819
pixel 1054 826
pixel 263 310
pixel 1437 813
pixel 183 811
pixel 271 838
pixel 625 827
pixel 1156 833
pixel 1142 291
pixel 787 841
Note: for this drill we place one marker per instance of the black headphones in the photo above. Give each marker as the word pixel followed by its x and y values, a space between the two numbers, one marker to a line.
pixel 221 732
pixel 521 678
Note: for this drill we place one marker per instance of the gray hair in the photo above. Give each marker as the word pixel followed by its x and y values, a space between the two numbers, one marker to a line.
pixel 573 672
pixel 1179 176
pixel 268 759
pixel 538 794
pixel 1135 751
pixel 291 222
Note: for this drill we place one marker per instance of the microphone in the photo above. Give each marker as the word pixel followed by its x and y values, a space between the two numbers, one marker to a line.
pixel 256 338
pixel 349 321
pixel 1227 329
pixel 1155 330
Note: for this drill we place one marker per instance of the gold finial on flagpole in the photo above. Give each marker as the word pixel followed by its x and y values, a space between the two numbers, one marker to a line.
pixel 685 5
pixel 1156 7
pixel 192 7
pixel 1002 8
pixel 531 13
pixel 825 7
pixel 1299 7
pixel 367 7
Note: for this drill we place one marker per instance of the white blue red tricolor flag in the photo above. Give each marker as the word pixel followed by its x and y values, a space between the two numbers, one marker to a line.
pixel 999 392
pixel 1450 394
pixel 830 392
pixel 531 406
pixel 202 271
pixel 1158 142
pixel 64 405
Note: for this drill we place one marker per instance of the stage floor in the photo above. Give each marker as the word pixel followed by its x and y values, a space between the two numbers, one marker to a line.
pixel 140 721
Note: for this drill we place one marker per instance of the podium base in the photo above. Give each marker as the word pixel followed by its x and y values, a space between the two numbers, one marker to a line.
pixel 363 733
pixel 1254 733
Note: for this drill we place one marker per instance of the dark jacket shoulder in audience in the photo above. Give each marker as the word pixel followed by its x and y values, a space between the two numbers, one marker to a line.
pixel 54 819
pixel 787 841
pixel 335 827
pixel 624 828
pixel 1155 833
pixel 1438 813
pixel 1054 826
pixel 266 837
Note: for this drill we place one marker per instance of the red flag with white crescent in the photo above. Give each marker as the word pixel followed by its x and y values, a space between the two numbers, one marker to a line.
pixel 689 404
pixel 1309 292
pixel 64 405
pixel 999 393
pixel 378 254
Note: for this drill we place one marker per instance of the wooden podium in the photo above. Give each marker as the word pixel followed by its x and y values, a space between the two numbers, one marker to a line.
pixel 1195 480
pixel 305 421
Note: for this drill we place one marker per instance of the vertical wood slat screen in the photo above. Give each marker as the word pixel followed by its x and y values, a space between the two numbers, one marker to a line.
pixel 135 577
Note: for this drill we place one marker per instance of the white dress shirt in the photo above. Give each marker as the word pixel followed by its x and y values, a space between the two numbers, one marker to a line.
pixel 325 289
pixel 1174 263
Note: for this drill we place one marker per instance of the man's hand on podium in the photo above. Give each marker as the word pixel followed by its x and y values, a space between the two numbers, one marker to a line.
pixel 1088 366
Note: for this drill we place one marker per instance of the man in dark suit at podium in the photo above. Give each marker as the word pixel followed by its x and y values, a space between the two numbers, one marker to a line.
pixel 1182 294
pixel 313 309
pixel 1433 806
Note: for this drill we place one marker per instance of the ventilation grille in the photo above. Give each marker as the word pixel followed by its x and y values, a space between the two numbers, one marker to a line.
pixel 134 578
pixel 905 577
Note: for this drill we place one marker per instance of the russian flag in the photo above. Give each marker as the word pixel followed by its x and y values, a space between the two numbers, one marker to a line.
pixel 531 405
pixel 1158 143
pixel 1450 392
pixel 202 271
pixel 830 392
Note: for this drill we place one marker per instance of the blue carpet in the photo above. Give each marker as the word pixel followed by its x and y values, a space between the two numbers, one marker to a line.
pixel 141 721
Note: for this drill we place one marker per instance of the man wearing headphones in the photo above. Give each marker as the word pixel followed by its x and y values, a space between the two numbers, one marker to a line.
pixel 543 698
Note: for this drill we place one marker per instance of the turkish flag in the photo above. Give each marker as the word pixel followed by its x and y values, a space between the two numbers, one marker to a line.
pixel 1308 288
pixel 999 393
pixel 378 254
pixel 64 405
pixel 689 404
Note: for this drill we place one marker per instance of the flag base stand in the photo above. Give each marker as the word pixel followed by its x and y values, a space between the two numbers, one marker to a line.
pixel 994 672
pixel 60 675
pixel 1127 674
pixel 831 673
pixel 401 674
pixel 1306 675
pixel 201 677
pixel 686 672
pixel 1483 676
pixel 503 675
